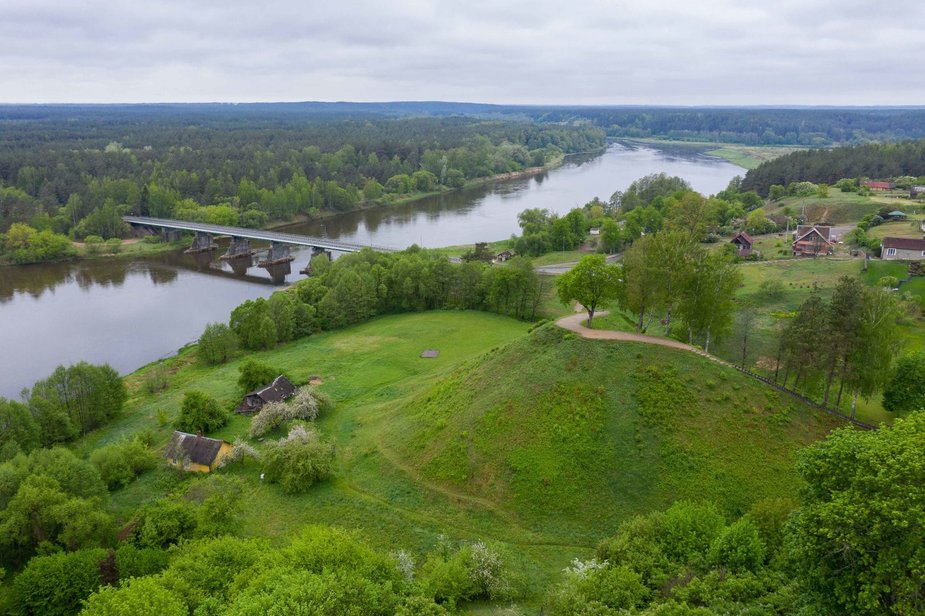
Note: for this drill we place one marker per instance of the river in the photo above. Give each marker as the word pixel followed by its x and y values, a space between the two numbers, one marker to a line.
pixel 129 312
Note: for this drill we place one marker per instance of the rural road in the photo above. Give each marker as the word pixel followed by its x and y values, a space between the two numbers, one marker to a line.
pixel 561 268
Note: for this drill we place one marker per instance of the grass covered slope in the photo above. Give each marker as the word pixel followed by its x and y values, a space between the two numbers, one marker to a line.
pixel 571 436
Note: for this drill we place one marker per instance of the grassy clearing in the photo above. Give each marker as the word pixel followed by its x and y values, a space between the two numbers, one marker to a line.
pixel 747 156
pixel 837 208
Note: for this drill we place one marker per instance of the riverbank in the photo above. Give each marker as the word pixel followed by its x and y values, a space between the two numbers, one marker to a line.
pixel 745 156
pixel 300 219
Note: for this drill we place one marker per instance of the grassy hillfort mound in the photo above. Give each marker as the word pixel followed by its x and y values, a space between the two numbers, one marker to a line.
pixel 571 436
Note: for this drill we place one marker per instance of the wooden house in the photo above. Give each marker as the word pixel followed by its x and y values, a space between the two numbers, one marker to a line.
pixel 902 249
pixel 279 390
pixel 503 256
pixel 879 185
pixel 743 243
pixel 813 240
pixel 195 452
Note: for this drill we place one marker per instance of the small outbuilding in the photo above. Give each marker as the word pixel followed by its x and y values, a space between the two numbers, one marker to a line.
pixel 505 255
pixel 902 249
pixel 743 243
pixel 279 390
pixel 195 452
pixel 896 215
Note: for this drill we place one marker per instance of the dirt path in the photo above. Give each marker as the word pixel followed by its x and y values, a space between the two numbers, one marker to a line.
pixel 575 323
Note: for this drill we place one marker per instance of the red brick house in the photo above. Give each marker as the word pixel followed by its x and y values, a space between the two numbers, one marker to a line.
pixel 813 240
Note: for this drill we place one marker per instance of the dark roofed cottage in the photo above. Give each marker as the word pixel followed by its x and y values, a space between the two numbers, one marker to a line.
pixel 279 390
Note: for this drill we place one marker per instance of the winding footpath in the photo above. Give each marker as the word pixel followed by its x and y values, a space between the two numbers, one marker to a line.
pixel 575 323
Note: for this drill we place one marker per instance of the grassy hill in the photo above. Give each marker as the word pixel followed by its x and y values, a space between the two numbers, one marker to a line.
pixel 542 441
pixel 571 436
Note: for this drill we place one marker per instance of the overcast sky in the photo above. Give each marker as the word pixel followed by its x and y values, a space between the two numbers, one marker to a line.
pixel 661 52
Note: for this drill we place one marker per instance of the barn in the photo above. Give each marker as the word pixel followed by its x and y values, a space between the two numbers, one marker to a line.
pixel 279 390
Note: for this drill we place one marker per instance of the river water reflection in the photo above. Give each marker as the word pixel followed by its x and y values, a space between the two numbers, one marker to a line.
pixel 129 312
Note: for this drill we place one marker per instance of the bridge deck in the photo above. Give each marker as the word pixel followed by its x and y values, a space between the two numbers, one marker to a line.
pixel 252 234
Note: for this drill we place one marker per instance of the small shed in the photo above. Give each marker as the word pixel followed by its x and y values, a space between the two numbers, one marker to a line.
pixel 896 215
pixel 505 255
pixel 195 452
pixel 430 353
pixel 743 243
pixel 595 231
pixel 279 390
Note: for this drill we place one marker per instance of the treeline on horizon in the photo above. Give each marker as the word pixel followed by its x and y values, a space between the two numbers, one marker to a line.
pixel 875 161
pixel 78 174
pixel 807 126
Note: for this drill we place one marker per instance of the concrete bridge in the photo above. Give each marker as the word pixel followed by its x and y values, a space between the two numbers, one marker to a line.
pixel 239 253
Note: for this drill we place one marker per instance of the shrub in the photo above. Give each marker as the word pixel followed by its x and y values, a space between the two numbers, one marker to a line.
pixel 688 529
pixel 200 413
pixel 132 561
pixel 299 460
pixel 93 244
pixel 137 596
pixel 156 379
pixel 473 571
pixel 113 245
pixel 772 288
pixel 57 584
pixel 217 344
pixel 163 523
pixel 121 462
pixel 254 375
pixel 738 547
pixel 307 404
pixel 889 282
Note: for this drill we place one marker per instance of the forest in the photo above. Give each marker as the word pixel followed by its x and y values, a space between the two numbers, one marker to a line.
pixel 873 161
pixel 77 174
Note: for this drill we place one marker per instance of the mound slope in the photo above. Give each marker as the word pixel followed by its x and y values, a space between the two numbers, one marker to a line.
pixel 571 436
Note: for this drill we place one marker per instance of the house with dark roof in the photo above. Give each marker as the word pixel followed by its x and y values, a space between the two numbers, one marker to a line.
pixel 195 452
pixel 279 390
pixel 743 243
pixel 813 240
pixel 902 249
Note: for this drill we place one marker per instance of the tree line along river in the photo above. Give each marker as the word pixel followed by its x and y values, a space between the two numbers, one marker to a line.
pixel 130 311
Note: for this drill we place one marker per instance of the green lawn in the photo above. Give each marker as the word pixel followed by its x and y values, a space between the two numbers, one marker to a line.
pixel 837 208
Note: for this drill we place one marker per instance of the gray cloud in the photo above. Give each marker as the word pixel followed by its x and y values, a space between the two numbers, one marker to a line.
pixel 720 52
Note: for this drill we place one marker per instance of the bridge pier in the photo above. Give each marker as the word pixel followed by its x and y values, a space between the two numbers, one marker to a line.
pixel 171 235
pixel 202 243
pixel 239 263
pixel 279 270
pixel 278 253
pixel 239 247
pixel 315 252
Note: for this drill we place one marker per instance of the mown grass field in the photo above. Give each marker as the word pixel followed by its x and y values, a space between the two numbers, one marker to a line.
pixel 542 441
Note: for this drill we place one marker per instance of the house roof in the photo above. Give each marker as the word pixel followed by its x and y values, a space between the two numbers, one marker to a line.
pixel 277 391
pixel 745 236
pixel 200 449
pixel 804 231
pixel 903 243
pixel 878 184
pixel 896 213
